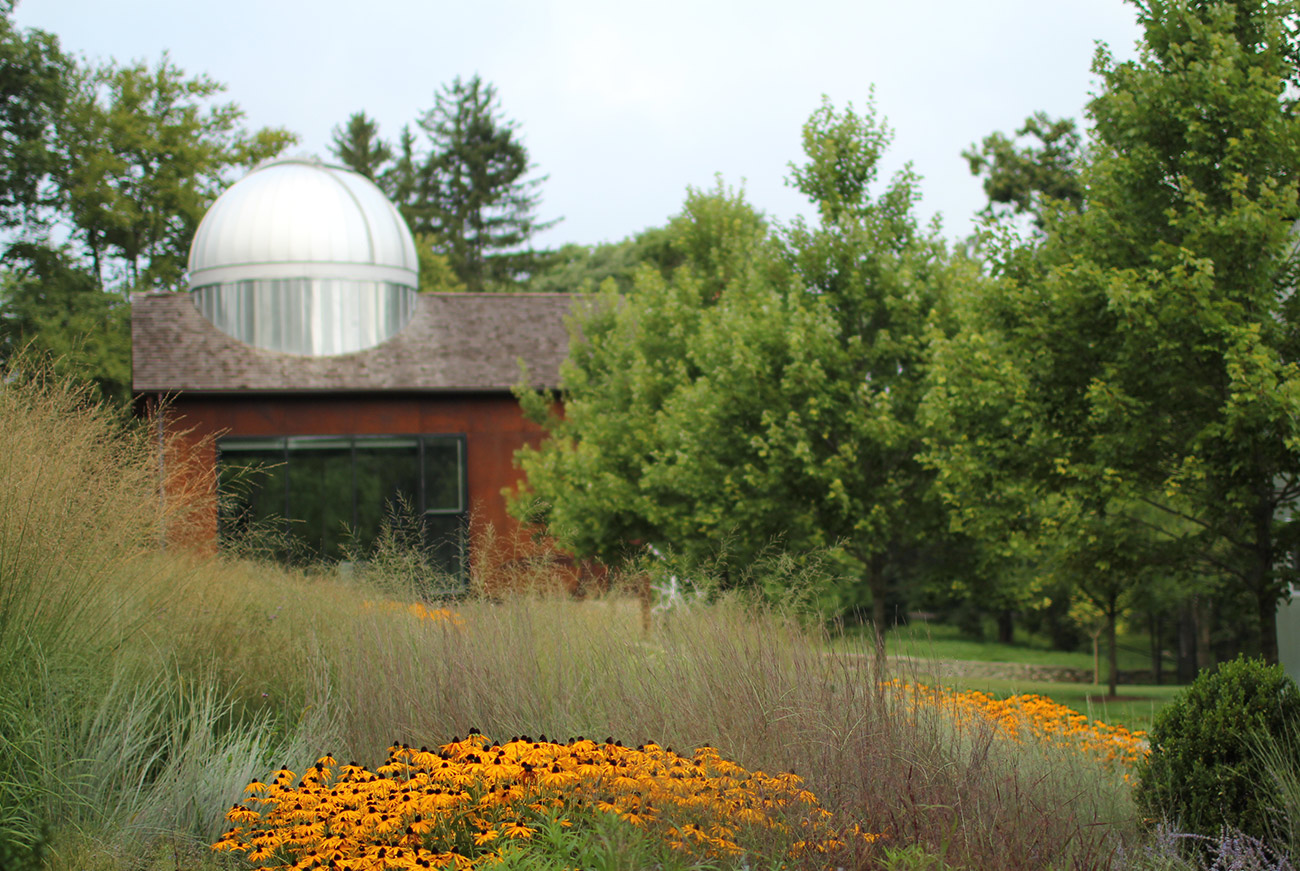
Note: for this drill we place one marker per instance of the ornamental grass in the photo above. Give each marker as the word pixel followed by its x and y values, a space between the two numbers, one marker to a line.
pixel 140 690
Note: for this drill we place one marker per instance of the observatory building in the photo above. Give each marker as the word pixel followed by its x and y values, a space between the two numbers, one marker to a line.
pixel 318 392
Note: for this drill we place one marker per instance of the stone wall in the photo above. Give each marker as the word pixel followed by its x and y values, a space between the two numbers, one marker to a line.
pixel 1013 670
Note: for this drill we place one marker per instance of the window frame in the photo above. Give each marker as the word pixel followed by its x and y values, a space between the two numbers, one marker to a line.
pixel 285 444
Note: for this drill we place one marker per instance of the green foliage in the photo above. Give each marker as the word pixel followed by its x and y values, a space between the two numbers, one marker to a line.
pixel 1186 243
pixel 584 268
pixel 407 181
pixel 358 146
pixel 482 208
pixel 913 857
pixel 34 84
pixel 599 842
pixel 23 857
pixel 1204 771
pixel 124 161
pixel 1031 178
pixel 763 393
pixel 145 151
pixel 1054 435
pixel 436 273
pixel 468 198
pixel 50 307
pixel 626 358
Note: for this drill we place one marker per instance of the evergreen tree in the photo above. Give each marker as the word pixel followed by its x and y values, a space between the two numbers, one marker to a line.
pixel 482 205
pixel 359 147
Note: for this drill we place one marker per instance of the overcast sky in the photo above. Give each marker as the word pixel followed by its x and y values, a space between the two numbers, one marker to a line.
pixel 624 105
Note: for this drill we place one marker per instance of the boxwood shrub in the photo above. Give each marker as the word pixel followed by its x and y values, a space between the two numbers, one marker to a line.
pixel 1204 771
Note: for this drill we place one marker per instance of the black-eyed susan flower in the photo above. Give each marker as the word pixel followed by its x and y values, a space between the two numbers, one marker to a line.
pixel 419 801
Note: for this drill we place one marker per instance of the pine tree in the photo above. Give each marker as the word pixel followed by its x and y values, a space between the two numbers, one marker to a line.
pixel 483 207
pixel 359 147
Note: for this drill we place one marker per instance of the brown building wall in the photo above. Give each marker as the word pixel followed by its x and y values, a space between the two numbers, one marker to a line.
pixel 492 423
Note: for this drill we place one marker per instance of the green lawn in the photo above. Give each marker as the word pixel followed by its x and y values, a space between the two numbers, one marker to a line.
pixel 939 641
pixel 1135 707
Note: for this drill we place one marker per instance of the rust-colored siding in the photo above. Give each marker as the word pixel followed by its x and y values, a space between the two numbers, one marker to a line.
pixel 492 423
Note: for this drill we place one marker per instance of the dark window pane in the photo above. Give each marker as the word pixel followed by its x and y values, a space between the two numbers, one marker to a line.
pixel 445 543
pixel 333 495
pixel 250 490
pixel 442 474
pixel 388 489
pixel 320 496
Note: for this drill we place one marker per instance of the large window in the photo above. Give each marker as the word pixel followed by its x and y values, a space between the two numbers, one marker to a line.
pixel 329 497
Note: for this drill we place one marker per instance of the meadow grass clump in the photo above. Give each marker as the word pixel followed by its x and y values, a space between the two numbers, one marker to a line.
pixel 78 514
pixel 141 688
pixel 759 684
pixel 115 725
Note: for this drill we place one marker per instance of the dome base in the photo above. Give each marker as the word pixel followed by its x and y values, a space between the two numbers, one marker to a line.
pixel 309 316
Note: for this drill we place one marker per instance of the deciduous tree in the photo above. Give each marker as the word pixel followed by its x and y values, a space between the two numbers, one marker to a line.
pixel 1025 177
pixel 765 392
pixel 145 150
pixel 34 81
pixel 104 175
pixel 51 306
pixel 1147 352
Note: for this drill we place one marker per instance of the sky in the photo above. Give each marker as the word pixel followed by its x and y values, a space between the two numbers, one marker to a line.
pixel 623 106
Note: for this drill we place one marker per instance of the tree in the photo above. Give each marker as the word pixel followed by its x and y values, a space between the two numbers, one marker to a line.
pixel 626 359
pixel 359 147
pixel 1026 179
pixel 34 81
pixel 51 306
pixel 765 392
pixel 466 198
pixel 482 207
pixel 407 180
pixel 574 268
pixel 104 177
pixel 1146 353
pixel 144 152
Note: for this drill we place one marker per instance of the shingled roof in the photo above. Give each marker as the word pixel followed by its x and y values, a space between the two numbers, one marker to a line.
pixel 454 342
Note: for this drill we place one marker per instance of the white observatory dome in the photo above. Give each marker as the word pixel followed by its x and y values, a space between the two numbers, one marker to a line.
pixel 305 258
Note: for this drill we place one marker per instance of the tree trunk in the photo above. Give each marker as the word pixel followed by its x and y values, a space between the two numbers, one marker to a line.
pixel 1186 643
pixel 876 583
pixel 1204 649
pixel 1261 572
pixel 1268 627
pixel 1006 626
pixel 1154 625
pixel 1112 652
pixel 1096 659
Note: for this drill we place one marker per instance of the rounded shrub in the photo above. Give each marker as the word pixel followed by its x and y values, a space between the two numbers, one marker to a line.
pixel 1205 771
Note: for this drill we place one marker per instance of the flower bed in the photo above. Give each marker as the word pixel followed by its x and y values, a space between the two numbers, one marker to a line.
pixel 459 806
pixel 1039 718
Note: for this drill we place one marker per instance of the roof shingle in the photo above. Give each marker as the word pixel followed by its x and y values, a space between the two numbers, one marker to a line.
pixel 454 342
